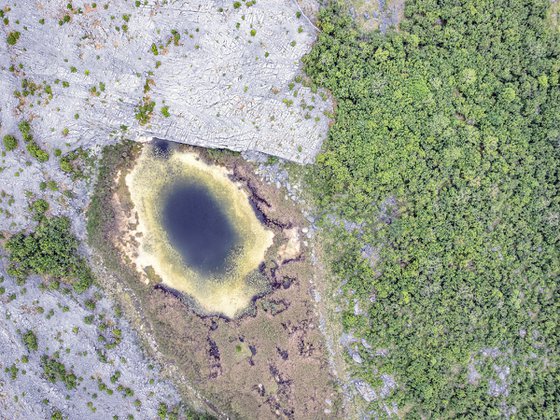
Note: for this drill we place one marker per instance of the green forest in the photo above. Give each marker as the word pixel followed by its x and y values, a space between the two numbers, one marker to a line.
pixel 441 171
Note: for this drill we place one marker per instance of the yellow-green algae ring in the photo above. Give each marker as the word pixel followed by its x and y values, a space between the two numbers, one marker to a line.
pixel 227 294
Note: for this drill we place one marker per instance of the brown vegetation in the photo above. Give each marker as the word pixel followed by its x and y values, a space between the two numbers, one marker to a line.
pixel 269 363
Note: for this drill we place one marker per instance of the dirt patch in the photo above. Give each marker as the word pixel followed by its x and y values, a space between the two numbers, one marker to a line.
pixel 292 247
pixel 553 15
pixel 271 362
pixel 379 15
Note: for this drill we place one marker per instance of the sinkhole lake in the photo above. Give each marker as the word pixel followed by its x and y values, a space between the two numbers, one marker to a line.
pixel 195 230
pixel 198 228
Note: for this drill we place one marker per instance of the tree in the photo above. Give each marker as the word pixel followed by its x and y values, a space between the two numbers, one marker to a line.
pixel 443 157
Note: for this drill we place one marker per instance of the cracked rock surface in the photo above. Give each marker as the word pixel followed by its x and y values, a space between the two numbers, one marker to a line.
pixel 58 320
pixel 206 73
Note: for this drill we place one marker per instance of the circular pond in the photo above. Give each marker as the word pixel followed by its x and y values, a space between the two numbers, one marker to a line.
pixel 196 230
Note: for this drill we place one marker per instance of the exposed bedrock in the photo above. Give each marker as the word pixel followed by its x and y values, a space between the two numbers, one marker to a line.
pixel 199 72
pixel 223 74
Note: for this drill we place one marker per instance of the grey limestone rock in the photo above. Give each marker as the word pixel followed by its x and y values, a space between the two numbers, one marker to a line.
pixel 218 77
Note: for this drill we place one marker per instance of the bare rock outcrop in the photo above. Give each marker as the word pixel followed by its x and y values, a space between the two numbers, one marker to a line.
pixel 219 74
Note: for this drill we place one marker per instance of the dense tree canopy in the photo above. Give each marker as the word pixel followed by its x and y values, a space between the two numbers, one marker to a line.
pixel 444 157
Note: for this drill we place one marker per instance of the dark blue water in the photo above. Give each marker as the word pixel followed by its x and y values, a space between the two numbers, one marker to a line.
pixel 161 148
pixel 198 228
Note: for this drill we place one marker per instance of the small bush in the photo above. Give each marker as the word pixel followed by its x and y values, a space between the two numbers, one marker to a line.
pixel 115 377
pixel 25 130
pixel 144 112
pixel 57 415
pixel 176 37
pixel 38 153
pixel 13 371
pixel 30 340
pixel 13 38
pixel 10 142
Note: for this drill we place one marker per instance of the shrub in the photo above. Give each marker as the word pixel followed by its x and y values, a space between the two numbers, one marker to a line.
pixel 55 371
pixel 66 165
pixel 73 162
pixel 30 340
pixel 52 250
pixel 25 130
pixel 10 142
pixel 39 208
pixel 13 37
pixel 38 153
